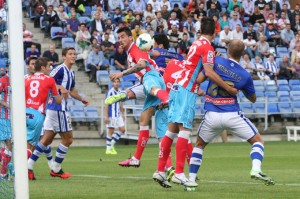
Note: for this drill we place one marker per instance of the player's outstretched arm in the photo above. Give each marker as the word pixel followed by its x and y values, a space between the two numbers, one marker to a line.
pixel 251 98
pixel 74 93
pixel 58 99
pixel 201 78
pixel 211 74
pixel 64 92
pixel 141 65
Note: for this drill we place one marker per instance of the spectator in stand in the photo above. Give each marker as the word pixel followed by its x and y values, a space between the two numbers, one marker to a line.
pixel 213 11
pixel 185 30
pixel 260 69
pixel 275 6
pixel 197 25
pixel 294 42
pixel 184 45
pixel 27 39
pixel 295 53
pixel 271 19
pixel 33 52
pixel 50 19
pixel 149 30
pixel 218 26
pixel 263 47
pixel 236 10
pixel 248 6
pixel 147 22
pixel 174 37
pixel 190 25
pixel 96 35
pixel 136 32
pixel 97 24
pixel 117 16
pixel 138 6
pixel 111 35
pixel 257 18
pixel 62 15
pixel 199 12
pixel 282 2
pixel 296 23
pixel 149 12
pixel 267 11
pixel 250 30
pixel 94 61
pixel 159 21
pixel 287 12
pixel 232 3
pixel 224 20
pixel 225 37
pixel 177 11
pixel 273 36
pixel 165 3
pixel 120 59
pixel 216 2
pixel 72 9
pixel 155 5
pixel 272 68
pixel 249 67
pixel 287 35
pixel 198 35
pixel 259 32
pixel 3 26
pixel 296 11
pixel 173 20
pixel 51 55
pixel 107 47
pixel 129 17
pixel 296 66
pixel 38 7
pixel 251 46
pixel 54 3
pixel 159 30
pixel 3 12
pixel 260 4
pixel 113 4
pixel 98 10
pixel 185 12
pixel 286 71
pixel 82 41
pixel 4 46
pixel 137 21
pixel 72 25
pixel 165 13
pixel 234 22
pixel 282 21
pixel 126 6
pixel 237 33
pixel 76 4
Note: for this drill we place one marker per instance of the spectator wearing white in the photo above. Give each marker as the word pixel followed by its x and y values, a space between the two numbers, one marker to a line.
pixel 282 2
pixel 113 4
pixel 225 37
pixel 248 6
pixel 173 20
pixel 62 15
pixel 149 30
pixel 111 36
pixel 155 5
pixel 295 53
pixel 100 12
pixel 250 46
pixel 260 69
pixel 149 12
pixel 234 21
pixel 174 37
pixel 97 23
pixel 272 68
pixel 159 21
pixel 165 3
pixel 197 25
pixel 266 11
pixel 3 12
pixel 82 40
pixel 54 3
pixel 263 47
pixel 272 20
pixel 138 6
pixel 189 24
pixel 95 61
pixel 237 33
pixel 247 64
pixel 287 35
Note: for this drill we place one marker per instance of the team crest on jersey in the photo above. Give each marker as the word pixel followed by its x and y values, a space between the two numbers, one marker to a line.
pixel 210 56
pixel 232 64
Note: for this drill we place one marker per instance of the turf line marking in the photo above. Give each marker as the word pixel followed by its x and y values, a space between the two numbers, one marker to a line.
pixel 208 181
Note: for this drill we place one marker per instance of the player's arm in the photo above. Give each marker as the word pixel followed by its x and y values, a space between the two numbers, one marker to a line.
pixel 154 54
pixel 106 120
pixel 64 92
pixel 251 98
pixel 249 90
pixel 122 110
pixel 139 66
pixel 74 93
pixel 5 104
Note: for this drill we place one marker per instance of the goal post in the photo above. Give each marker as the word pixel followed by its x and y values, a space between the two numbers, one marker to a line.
pixel 18 115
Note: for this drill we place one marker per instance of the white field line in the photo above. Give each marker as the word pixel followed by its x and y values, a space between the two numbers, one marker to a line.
pixel 208 181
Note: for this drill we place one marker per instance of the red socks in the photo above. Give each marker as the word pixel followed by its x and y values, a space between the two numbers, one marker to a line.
pixel 181 151
pixel 5 159
pixel 162 95
pixel 164 153
pixel 169 161
pixel 142 142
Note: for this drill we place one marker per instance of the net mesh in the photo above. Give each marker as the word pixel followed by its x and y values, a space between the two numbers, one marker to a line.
pixel 6 164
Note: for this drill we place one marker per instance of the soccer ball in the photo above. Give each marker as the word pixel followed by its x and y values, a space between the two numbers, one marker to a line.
pixel 145 42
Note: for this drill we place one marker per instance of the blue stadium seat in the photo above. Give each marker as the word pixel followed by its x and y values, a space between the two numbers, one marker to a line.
pixel 92 114
pixel 77 114
pixel 114 71
pixel 129 102
pixel 272 96
pixel 41 23
pixel 259 109
pixel 198 110
pixel 271 85
pixel 296 109
pixel 88 11
pixel 283 94
pixel 278 60
pixel 85 19
pixel 259 88
pixel 55 32
pixel 294 85
pixel 3 62
pixel 67 42
pixel 295 95
pixel 272 109
pixel 247 108
pixel 283 88
pixel 285 110
pixel 258 83
pixel 137 114
pixel 125 84
pixel 130 78
pixel 282 82
pixel 284 99
pixel 281 51
pixel 260 96
pixel 222 50
pixel 102 77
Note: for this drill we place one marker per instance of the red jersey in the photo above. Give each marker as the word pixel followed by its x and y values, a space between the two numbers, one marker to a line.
pixel 4 92
pixel 200 53
pixel 37 89
pixel 172 72
pixel 135 55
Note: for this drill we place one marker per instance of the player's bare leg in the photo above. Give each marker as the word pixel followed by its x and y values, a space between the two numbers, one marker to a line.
pixel 162 95
pixel 116 137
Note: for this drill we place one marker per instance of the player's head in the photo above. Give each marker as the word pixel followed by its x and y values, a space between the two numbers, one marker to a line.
pixel 42 65
pixel 125 37
pixel 116 83
pixel 207 26
pixel 69 56
pixel 161 41
pixel 236 49
pixel 30 65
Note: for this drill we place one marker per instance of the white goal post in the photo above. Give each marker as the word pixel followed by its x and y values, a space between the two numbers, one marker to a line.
pixel 18 115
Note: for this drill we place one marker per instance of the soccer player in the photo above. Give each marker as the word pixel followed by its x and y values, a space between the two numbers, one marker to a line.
pixel 5 125
pixel 145 69
pixel 223 112
pixel 58 118
pixel 183 100
pixel 114 118
pixel 30 66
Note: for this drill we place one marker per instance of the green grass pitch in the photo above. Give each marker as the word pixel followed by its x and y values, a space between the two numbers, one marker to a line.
pixel 224 174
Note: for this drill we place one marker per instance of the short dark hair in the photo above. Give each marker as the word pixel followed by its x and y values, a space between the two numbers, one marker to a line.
pixel 82 24
pixel 126 30
pixel 65 50
pixel 162 39
pixel 42 61
pixel 236 49
pixel 29 60
pixel 207 26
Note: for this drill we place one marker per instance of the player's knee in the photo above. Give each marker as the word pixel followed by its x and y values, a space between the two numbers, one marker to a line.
pixel 200 143
pixel 130 94
pixel 68 142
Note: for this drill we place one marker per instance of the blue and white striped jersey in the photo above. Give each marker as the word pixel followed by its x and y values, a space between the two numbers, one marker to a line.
pixel 66 78
pixel 114 109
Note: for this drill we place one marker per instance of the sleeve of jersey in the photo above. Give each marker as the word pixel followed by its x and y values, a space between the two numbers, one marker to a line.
pixel 249 87
pixel 53 87
pixel 207 55
pixel 57 74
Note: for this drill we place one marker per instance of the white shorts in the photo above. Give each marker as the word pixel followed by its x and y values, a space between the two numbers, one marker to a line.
pixel 214 123
pixel 115 122
pixel 58 121
pixel 138 90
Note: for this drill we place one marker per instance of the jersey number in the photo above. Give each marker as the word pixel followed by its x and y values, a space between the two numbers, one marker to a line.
pixel 191 53
pixel 34 88
pixel 215 90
